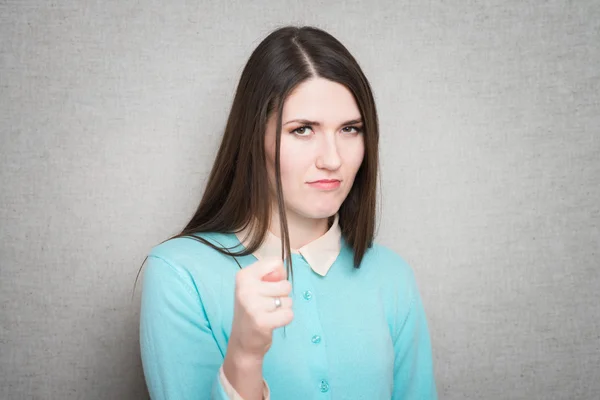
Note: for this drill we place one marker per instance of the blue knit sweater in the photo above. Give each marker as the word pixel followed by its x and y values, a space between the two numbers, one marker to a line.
pixel 356 334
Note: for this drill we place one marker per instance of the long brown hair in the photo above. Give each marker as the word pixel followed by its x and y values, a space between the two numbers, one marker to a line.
pixel 238 184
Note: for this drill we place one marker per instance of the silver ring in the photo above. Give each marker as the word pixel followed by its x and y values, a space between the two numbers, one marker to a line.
pixel 277 302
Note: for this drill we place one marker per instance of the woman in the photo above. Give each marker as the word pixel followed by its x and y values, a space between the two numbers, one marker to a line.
pixel 292 193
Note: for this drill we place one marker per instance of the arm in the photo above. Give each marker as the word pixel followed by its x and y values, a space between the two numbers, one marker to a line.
pixel 413 365
pixel 180 356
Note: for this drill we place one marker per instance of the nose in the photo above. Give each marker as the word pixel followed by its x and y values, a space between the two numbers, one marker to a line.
pixel 328 157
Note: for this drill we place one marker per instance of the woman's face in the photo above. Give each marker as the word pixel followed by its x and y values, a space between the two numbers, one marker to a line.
pixel 322 148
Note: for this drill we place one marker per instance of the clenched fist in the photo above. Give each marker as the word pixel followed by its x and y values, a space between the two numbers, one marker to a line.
pixel 255 314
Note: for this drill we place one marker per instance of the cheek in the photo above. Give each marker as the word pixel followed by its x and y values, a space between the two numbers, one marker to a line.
pixel 354 156
pixel 294 162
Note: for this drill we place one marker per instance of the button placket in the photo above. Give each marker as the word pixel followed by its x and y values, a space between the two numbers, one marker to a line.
pixel 310 304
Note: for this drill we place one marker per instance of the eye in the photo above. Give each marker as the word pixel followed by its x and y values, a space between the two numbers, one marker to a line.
pixel 352 129
pixel 302 131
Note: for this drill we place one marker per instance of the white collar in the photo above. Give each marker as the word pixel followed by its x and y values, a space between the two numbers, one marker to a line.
pixel 320 254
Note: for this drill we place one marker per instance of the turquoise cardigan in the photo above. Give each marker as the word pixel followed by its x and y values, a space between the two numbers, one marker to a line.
pixel 356 334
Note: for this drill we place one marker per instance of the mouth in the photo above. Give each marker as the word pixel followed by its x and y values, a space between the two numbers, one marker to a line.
pixel 325 184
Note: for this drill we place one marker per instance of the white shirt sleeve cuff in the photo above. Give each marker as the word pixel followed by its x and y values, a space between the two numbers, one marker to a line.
pixel 233 394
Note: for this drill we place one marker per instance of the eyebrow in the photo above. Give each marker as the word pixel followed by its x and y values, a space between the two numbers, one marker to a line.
pixel 315 123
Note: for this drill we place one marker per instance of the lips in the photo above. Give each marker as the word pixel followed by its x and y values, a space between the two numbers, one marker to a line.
pixel 325 184
pixel 326 181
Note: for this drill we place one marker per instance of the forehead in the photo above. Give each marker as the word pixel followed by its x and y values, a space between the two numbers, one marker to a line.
pixel 321 100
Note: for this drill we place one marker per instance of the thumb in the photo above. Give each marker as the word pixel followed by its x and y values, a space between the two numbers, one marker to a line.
pixel 271 266
pixel 278 274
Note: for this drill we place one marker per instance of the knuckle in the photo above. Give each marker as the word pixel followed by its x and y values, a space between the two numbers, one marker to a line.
pixel 286 286
pixel 289 315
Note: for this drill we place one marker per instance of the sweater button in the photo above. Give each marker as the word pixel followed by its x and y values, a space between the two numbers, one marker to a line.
pixel 308 295
pixel 316 339
pixel 324 386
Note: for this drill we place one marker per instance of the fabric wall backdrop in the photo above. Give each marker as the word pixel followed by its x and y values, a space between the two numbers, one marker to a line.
pixel 111 113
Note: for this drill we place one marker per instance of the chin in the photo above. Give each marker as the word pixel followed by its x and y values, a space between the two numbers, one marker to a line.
pixel 320 212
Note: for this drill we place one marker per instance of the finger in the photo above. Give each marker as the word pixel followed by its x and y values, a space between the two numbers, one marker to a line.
pixel 273 289
pixel 269 303
pixel 276 275
pixel 264 266
pixel 279 318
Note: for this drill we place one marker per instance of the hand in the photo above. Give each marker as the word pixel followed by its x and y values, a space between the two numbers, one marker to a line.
pixel 255 316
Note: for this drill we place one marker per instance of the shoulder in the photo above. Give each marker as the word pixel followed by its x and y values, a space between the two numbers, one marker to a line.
pixel 391 273
pixel 385 260
pixel 192 259
pixel 187 248
pixel 396 281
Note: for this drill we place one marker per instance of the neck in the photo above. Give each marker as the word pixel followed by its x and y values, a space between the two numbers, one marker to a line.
pixel 302 230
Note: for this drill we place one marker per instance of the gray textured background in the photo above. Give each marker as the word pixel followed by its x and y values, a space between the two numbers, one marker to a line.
pixel 111 113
